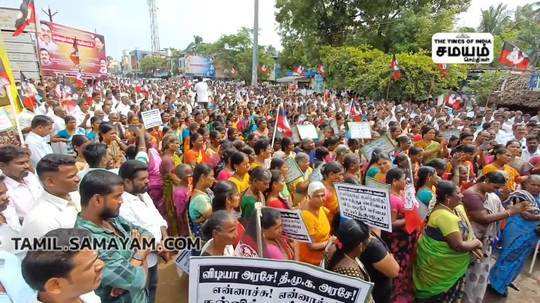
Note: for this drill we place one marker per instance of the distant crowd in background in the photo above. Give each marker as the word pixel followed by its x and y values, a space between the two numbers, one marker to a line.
pixel 89 168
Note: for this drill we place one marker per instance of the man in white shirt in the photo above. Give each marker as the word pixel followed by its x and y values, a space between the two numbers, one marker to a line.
pixel 76 272
pixel 38 139
pixel 123 107
pixel 23 186
pixel 9 222
pixel 139 209
pixel 532 148
pixel 201 89
pixel 59 204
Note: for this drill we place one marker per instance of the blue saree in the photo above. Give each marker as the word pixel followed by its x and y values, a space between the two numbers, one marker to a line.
pixel 518 242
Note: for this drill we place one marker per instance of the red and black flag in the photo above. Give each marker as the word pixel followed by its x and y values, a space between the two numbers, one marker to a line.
pixel 443 68
pixel 396 71
pixel 28 15
pixel 512 56
pixel 75 53
pixel 264 69
pixel 320 70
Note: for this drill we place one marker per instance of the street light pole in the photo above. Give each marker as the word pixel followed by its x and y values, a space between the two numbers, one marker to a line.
pixel 255 45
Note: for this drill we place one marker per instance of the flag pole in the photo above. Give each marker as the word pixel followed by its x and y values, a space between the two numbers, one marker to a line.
pixel 275 125
pixel 388 88
pixel 14 113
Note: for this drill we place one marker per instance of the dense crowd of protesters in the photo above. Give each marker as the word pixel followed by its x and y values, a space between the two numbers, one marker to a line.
pixel 88 168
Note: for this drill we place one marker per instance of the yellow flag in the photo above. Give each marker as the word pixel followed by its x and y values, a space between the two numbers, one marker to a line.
pixel 10 105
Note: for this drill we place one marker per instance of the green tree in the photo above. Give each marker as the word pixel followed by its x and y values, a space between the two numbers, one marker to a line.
pixel 366 71
pixel 150 64
pixel 494 19
pixel 235 51
pixel 485 85
pixel 388 25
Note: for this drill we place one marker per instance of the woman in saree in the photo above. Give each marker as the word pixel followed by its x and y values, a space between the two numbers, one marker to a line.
pixel 425 189
pixel 197 152
pixel 332 173
pixel 274 245
pixel 200 205
pixel 503 157
pixel 169 161
pixel 240 165
pixel 432 149
pixel 444 250
pixel 519 237
pixel 343 255
pixel 402 239
pixel 315 216
pixel 485 212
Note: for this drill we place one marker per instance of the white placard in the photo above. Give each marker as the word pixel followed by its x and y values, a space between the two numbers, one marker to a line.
pixel 410 197
pixel 460 48
pixel 226 279
pixel 451 132
pixel 368 204
pixel 382 143
pixel 360 130
pixel 294 227
pixel 294 171
pixel 182 260
pixel 151 118
pixel 307 131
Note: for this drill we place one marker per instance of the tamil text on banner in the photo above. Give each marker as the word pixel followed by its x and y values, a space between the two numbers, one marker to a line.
pixel 307 131
pixel 294 227
pixel 368 204
pixel 294 173
pixel 65 50
pixel 225 279
pixel 382 143
pixel 360 130
pixel 10 133
pixel 151 118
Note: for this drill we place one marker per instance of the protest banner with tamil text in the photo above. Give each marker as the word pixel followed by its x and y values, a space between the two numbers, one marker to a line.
pixel 212 279
pixel 368 204
pixel 360 130
pixel 294 227
pixel 383 143
pixel 294 172
pixel 307 131
pixel 151 118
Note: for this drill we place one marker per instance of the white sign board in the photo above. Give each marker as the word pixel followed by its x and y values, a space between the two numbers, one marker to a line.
pixel 151 118
pixel 368 204
pixel 462 48
pixel 294 227
pixel 294 171
pixel 307 131
pixel 182 260
pixel 383 143
pixel 226 279
pixel 360 130
pixel 410 197
pixel 451 132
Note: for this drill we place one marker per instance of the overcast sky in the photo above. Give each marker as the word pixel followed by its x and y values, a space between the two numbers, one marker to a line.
pixel 125 23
